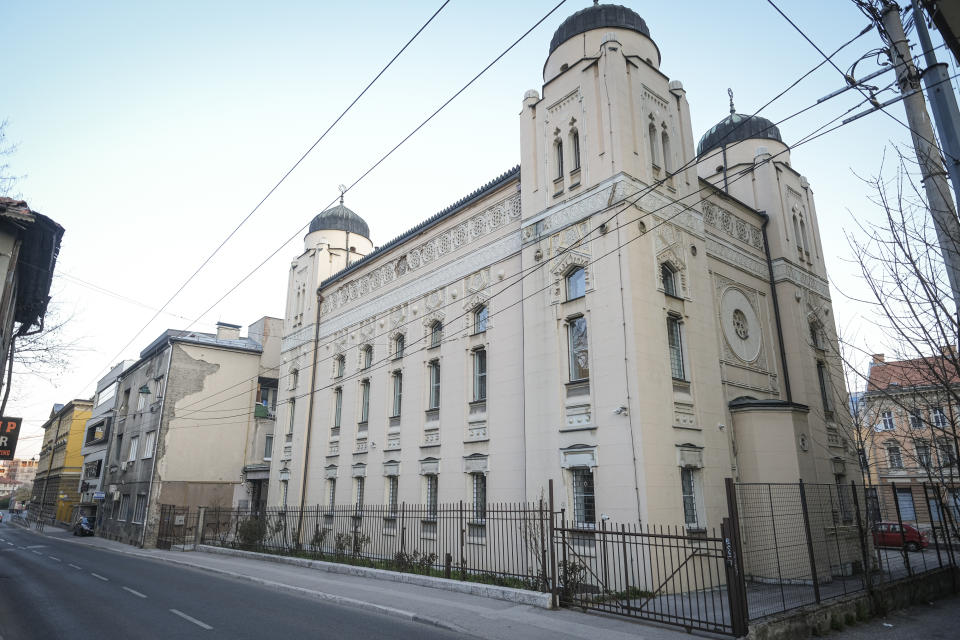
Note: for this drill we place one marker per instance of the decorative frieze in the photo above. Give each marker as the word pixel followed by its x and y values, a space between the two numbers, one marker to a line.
pixel 719 219
pixel 783 270
pixel 423 255
pixel 735 257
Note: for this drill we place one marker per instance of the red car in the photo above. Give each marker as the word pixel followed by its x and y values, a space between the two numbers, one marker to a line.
pixel 887 534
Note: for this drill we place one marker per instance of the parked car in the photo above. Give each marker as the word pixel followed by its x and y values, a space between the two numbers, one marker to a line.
pixel 887 534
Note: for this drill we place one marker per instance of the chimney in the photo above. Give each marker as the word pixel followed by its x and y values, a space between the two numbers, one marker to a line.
pixel 226 331
pixel 877 358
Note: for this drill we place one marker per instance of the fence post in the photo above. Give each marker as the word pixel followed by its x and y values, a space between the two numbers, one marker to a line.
pixel 903 537
pixel 463 555
pixel 603 555
pixel 565 566
pixel 806 529
pixel 543 549
pixel 626 565
pixel 733 555
pixel 933 526
pixel 553 550
pixel 198 536
pixel 403 528
pixel 447 562
pixel 867 582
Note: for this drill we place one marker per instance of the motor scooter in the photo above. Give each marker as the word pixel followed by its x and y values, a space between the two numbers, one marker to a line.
pixel 82 528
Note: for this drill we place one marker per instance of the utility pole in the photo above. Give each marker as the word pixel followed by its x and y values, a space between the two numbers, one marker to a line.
pixel 934 176
pixel 936 77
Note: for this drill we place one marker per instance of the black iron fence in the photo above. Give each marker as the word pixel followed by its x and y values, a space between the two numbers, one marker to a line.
pixel 179 527
pixel 807 543
pixel 496 543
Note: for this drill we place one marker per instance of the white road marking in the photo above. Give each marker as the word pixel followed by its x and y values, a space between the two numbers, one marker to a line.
pixel 136 593
pixel 39 553
pixel 74 566
pixel 99 577
pixel 54 559
pixel 203 625
pixel 10 543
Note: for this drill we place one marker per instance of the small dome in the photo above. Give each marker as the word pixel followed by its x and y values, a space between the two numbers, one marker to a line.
pixel 598 16
pixel 340 218
pixel 737 127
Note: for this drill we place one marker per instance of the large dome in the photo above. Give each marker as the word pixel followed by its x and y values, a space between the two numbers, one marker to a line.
pixel 737 127
pixel 340 218
pixel 598 16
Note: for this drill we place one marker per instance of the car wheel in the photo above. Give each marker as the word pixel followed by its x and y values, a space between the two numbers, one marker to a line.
pixel 912 546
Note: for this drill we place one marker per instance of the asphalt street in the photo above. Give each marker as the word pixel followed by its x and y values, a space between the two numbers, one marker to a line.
pixel 58 589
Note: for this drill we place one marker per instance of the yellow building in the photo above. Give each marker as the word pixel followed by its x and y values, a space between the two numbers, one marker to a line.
pixel 55 488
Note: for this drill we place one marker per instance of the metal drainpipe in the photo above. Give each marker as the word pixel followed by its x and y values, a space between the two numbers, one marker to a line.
pixel 776 307
pixel 726 185
pixel 156 446
pixel 313 387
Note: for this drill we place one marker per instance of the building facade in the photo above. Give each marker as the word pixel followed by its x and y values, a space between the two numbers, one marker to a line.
pixel 20 472
pixel 909 437
pixel 95 443
pixel 616 314
pixel 59 467
pixel 185 427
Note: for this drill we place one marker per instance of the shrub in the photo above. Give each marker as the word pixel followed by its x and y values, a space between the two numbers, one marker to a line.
pixel 251 532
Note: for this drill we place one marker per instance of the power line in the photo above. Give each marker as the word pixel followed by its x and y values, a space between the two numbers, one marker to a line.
pixel 274 188
pixel 637 196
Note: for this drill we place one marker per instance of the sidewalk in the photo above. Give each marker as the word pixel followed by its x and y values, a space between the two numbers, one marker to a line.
pixel 464 613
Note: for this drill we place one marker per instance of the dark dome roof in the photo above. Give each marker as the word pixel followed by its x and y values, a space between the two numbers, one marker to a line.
pixel 597 17
pixel 737 127
pixel 341 219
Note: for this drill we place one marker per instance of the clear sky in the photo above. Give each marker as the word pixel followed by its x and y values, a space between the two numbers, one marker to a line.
pixel 149 130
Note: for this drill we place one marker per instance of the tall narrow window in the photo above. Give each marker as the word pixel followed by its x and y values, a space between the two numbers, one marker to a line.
pixel 579 353
pixel 575 143
pixel 947 452
pixel 431 481
pixel 339 365
pixel 584 503
pixel 652 134
pixel 367 357
pixel 393 484
pixel 140 511
pixel 796 233
pixel 923 454
pixel 667 164
pixel 397 393
pixel 436 334
pixel 293 414
pixel 669 279
pixel 360 482
pixel 675 343
pixel 150 440
pixel 158 385
pixel 815 336
pixel 803 236
pixel 558 150
pixel 905 503
pixel 434 400
pixel 398 345
pixel 331 491
pixel 294 379
pixel 268 447
pixel 688 488
pixel 364 401
pixel 939 419
pixel 479 375
pixel 576 281
pixel 479 497
pixel 337 409
pixel 824 381
pixel 480 319
pixel 134 441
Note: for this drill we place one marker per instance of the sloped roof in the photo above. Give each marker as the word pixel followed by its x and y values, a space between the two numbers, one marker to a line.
pixel 912 374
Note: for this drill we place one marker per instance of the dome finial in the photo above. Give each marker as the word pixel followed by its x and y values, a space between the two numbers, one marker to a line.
pixel 730 93
pixel 343 190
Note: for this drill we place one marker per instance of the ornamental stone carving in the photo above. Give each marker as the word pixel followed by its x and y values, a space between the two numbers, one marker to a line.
pixel 720 219
pixel 740 324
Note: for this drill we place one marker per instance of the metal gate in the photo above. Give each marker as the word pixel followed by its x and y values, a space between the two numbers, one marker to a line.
pixel 177 525
pixel 664 574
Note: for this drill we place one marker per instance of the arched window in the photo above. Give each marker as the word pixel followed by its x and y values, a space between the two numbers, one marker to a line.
pixel 367 355
pixel 803 236
pixel 796 233
pixel 666 153
pixel 653 145
pixel 480 319
pixel 576 283
pixel 436 333
pixel 398 344
pixel 668 275
pixel 558 148
pixel 575 143
pixel 294 378
pixel 339 365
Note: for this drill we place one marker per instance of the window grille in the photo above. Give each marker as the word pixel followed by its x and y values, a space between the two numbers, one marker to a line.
pixel 392 490
pixel 140 511
pixel 332 491
pixel 688 488
pixel 584 505
pixel 479 497
pixel 361 481
pixel 431 495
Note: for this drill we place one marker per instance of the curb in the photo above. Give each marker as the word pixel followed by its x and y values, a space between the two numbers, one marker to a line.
pixel 508 594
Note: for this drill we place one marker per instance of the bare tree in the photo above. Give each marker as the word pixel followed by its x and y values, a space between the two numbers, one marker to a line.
pixel 7 149
pixel 909 410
